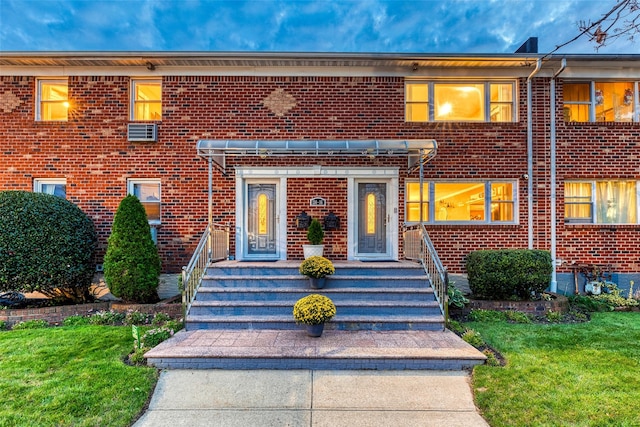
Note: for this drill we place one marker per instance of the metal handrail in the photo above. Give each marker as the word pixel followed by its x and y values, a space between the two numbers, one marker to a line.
pixel 213 246
pixel 418 247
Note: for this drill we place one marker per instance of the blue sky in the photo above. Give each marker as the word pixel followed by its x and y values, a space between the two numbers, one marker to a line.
pixel 419 26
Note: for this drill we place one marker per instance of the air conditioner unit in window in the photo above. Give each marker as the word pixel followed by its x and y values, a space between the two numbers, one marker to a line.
pixel 142 132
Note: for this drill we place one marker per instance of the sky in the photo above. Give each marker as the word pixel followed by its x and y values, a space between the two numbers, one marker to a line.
pixel 347 26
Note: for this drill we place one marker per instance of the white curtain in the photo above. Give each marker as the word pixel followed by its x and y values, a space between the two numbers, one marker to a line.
pixel 616 202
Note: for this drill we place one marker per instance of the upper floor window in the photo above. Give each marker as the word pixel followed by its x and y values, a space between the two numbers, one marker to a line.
pixel 461 202
pixel 52 100
pixel 601 202
pixel 486 101
pixel 146 99
pixel 54 186
pixel 601 102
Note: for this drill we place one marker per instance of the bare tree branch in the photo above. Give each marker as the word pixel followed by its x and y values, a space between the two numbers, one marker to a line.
pixel 623 19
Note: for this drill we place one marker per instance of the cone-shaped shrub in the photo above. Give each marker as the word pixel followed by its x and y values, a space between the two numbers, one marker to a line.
pixel 47 244
pixel 132 264
pixel 315 233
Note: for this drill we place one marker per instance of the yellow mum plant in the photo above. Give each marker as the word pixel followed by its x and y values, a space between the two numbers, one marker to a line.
pixel 316 267
pixel 313 309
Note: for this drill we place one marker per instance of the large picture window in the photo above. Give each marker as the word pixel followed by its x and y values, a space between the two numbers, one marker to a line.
pixel 481 101
pixel 601 101
pixel 146 100
pixel 462 202
pixel 601 202
pixel 52 100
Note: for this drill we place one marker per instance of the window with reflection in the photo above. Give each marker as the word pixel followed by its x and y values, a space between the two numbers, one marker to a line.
pixel 148 192
pixel 481 101
pixel 462 202
pixel 53 186
pixel 601 202
pixel 146 100
pixel 600 101
pixel 53 100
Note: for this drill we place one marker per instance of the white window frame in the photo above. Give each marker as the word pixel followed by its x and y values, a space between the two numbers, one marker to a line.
pixel 592 99
pixel 593 203
pixel 39 99
pixel 133 100
pixel 38 184
pixel 430 188
pixel 487 99
pixel 131 183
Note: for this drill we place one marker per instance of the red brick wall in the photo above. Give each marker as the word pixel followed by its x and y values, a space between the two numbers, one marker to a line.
pixel 91 150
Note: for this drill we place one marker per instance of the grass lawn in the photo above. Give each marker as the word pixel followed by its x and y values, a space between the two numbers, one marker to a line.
pixel 71 376
pixel 585 374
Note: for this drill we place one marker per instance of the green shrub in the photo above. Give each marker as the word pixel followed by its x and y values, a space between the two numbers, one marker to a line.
pixel 614 298
pixel 137 357
pixel 75 321
pixel 517 316
pixel 174 325
pixel 106 318
pixel 508 273
pixel 160 318
pixel 455 297
pixel 137 318
pixel 315 233
pixel 31 324
pixel 455 326
pixel 553 316
pixel 588 304
pixel 132 264
pixel 3 325
pixel 153 337
pixel 480 315
pixel 474 338
pixel 47 244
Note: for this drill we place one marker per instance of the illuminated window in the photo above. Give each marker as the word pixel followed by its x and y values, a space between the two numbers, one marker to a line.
pixel 53 100
pixel 262 214
pixel 413 202
pixel 481 101
pixel 601 202
pixel 462 202
pixel 600 102
pixel 54 186
pixel 148 192
pixel 371 213
pixel 146 103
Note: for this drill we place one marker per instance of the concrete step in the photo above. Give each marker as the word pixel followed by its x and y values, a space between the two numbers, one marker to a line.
pixel 339 322
pixel 285 307
pixel 295 293
pixel 334 281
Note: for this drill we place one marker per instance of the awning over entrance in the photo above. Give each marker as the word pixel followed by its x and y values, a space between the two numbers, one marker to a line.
pixel 418 151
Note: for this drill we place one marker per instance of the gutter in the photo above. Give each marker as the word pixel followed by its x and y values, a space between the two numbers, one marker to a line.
pixel 529 176
pixel 555 262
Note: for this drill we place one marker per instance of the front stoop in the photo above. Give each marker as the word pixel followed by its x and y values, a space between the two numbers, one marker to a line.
pixel 335 350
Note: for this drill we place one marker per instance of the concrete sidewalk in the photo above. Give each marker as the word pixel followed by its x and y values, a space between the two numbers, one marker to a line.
pixel 312 398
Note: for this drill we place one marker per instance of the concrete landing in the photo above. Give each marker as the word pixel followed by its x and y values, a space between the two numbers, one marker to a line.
pixel 295 398
pixel 293 349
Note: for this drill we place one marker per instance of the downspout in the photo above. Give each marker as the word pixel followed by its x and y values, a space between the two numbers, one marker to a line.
pixel 530 154
pixel 554 280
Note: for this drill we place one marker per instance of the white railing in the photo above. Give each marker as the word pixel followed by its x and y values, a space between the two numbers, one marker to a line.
pixel 213 246
pixel 418 247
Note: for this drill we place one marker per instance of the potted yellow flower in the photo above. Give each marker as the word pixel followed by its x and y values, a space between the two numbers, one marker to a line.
pixel 313 311
pixel 317 268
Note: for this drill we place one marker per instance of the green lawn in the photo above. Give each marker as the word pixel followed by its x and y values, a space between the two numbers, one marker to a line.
pixel 585 374
pixel 71 376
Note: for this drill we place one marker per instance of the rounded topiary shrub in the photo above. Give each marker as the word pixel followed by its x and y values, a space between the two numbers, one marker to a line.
pixel 509 273
pixel 47 244
pixel 132 264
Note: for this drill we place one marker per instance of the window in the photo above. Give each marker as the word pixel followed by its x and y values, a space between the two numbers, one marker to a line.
pixel 462 202
pixel 601 202
pixel 54 186
pixel 148 192
pixel 600 102
pixel 460 101
pixel 52 100
pixel 146 100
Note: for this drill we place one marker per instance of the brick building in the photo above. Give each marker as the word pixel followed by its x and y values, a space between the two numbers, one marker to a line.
pixel 513 151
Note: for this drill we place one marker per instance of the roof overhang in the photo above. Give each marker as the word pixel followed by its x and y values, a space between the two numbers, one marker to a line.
pixel 418 151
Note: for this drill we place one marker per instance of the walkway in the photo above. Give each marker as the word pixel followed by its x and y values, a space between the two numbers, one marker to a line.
pixel 297 398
